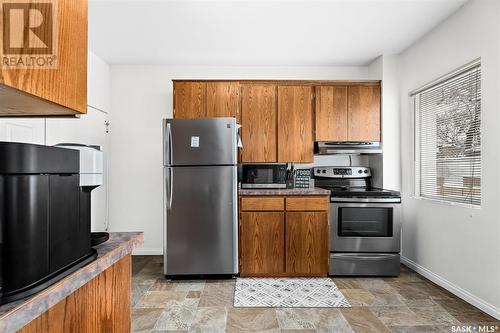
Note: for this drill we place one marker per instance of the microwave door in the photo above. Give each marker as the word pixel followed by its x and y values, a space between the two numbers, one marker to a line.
pixel 264 176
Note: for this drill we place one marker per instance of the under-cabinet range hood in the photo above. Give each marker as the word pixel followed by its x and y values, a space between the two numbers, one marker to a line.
pixel 334 147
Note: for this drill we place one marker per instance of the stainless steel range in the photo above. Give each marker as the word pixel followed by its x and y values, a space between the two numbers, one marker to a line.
pixel 365 223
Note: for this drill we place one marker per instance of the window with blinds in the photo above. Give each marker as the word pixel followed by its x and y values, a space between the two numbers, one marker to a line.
pixel 448 138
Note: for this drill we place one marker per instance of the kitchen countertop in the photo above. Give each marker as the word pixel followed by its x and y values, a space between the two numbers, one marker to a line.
pixel 291 191
pixel 15 315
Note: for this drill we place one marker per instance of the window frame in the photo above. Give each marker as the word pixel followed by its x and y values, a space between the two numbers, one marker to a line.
pixel 415 138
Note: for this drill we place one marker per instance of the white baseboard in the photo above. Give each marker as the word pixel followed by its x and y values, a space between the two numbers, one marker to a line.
pixel 147 252
pixel 453 288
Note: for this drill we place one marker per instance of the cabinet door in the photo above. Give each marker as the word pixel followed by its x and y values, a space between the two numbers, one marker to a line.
pixel 295 116
pixel 61 90
pixel 26 130
pixel 307 243
pixel 364 113
pixel 189 100
pixel 259 114
pixel 331 113
pixel 262 245
pixel 223 99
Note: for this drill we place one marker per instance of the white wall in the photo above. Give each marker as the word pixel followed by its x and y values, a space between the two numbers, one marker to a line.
pixel 386 168
pixel 141 97
pixel 457 247
pixel 98 83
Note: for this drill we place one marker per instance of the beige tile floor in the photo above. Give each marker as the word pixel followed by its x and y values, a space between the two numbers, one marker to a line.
pixel 408 303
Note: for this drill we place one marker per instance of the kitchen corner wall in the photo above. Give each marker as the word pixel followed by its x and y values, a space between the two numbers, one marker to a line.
pixel 457 247
pixel 387 167
pixel 141 97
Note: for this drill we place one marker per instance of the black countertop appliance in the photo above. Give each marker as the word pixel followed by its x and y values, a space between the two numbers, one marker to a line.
pixel 44 218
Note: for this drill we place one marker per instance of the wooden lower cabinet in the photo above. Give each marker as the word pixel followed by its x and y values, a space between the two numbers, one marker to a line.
pixel 306 243
pixel 101 305
pixel 262 239
pixel 262 204
pixel 284 242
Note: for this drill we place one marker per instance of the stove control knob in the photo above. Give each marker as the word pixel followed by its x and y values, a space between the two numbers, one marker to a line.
pixel 324 171
pixel 366 171
pixel 360 171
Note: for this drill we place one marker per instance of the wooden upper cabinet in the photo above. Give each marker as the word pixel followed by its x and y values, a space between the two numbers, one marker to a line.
pixel 295 119
pixel 306 243
pixel 331 113
pixel 223 100
pixel 58 91
pixel 259 116
pixel 262 248
pixel 364 113
pixel 190 100
pixel 199 99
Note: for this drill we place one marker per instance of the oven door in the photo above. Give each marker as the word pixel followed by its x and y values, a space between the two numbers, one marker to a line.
pixel 365 227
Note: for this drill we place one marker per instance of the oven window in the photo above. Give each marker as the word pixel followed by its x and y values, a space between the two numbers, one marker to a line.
pixel 365 222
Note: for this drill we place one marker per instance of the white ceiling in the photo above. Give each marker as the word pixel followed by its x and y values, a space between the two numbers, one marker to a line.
pixel 259 32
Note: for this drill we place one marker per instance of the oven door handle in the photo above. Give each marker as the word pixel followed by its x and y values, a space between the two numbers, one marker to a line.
pixel 366 200
pixel 366 257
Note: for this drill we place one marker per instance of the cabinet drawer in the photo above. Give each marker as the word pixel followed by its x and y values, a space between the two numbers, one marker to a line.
pixel 307 203
pixel 262 203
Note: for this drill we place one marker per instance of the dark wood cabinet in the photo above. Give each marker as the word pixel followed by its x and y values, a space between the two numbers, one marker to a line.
pixel 101 305
pixel 223 100
pixel 58 91
pixel 348 113
pixel 282 119
pixel 306 243
pixel 295 124
pixel 284 236
pixel 364 113
pixel 189 100
pixel 259 116
pixel 262 243
pixel 199 99
pixel 331 113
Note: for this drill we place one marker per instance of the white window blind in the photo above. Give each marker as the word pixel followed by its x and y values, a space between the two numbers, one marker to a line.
pixel 448 138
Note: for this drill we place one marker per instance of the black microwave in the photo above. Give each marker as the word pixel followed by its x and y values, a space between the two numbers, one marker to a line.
pixel 263 176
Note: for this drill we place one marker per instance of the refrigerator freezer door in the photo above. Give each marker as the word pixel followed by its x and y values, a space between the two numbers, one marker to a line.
pixel 210 141
pixel 201 220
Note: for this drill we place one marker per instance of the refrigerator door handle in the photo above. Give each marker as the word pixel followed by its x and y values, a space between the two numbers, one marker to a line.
pixel 171 181
pixel 168 148
pixel 168 188
pixel 235 221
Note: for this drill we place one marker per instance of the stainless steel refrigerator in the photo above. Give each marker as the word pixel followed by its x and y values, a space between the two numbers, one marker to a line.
pixel 200 196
